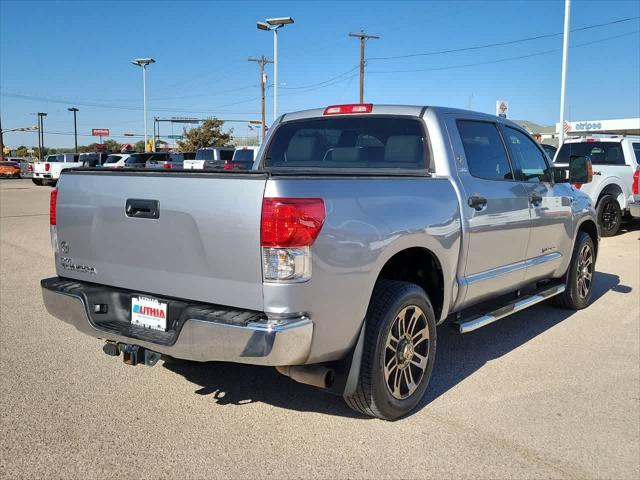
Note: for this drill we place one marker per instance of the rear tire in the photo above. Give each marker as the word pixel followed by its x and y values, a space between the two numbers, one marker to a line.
pixel 579 278
pixel 37 181
pixel 399 351
pixel 609 216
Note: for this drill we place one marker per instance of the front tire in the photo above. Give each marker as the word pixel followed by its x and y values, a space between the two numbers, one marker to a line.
pixel 399 351
pixel 579 278
pixel 609 216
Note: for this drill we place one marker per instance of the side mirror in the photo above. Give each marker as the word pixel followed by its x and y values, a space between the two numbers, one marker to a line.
pixel 580 170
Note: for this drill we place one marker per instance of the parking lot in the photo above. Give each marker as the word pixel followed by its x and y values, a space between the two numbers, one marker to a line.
pixel 544 393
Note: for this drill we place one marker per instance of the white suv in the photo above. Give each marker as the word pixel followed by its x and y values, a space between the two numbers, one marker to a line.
pixel 615 162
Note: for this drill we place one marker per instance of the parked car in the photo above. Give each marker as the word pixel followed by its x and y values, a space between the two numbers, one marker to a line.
pixel 615 161
pixel 243 159
pixel 363 228
pixel 9 169
pixel 550 150
pixel 208 157
pixel 22 164
pixel 116 160
pixel 93 159
pixel 634 206
pixel 163 161
pixel 48 172
pixel 137 160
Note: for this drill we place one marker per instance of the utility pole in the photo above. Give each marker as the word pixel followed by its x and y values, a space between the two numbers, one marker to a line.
pixel 363 37
pixel 41 116
pixel 565 58
pixel 262 61
pixel 1 143
pixel 75 126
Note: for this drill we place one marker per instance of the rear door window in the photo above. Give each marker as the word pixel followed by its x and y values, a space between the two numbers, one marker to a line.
pixel 385 142
pixel 484 149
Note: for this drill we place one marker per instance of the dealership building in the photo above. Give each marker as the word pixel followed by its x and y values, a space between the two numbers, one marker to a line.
pixel 582 128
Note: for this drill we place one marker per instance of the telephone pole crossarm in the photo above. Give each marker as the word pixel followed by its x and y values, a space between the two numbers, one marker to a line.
pixel 363 38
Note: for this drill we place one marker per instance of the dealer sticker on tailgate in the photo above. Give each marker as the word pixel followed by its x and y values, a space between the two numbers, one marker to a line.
pixel 149 313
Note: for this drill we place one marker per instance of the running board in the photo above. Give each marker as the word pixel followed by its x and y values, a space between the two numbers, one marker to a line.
pixel 478 321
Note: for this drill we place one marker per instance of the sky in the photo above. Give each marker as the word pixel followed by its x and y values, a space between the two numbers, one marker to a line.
pixel 59 54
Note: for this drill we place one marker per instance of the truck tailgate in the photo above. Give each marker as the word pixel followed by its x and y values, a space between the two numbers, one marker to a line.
pixel 204 245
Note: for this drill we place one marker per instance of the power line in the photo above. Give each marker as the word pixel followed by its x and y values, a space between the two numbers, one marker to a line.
pixel 500 60
pixel 501 44
pixel 326 81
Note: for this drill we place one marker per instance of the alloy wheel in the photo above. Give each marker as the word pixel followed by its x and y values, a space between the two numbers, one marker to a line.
pixel 406 352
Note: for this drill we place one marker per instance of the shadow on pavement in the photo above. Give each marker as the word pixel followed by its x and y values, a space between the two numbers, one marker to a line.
pixel 458 357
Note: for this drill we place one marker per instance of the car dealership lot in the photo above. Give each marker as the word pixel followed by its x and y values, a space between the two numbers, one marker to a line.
pixel 544 393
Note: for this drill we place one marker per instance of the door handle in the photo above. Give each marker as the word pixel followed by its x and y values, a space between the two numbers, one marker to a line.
pixel 535 199
pixel 477 202
pixel 142 208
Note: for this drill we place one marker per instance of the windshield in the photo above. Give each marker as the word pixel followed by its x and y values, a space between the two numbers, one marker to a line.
pixel 600 153
pixel 349 142
pixel 113 159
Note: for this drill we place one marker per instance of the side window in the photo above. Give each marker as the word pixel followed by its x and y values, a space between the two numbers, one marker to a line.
pixel 636 150
pixel 528 156
pixel 483 147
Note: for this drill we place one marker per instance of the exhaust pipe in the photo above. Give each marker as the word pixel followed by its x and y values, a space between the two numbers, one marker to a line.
pixel 315 375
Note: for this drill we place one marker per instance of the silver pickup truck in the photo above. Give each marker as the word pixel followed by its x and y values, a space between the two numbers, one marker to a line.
pixel 358 230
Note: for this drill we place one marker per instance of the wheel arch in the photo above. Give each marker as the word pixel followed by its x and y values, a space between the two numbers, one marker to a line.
pixel 423 267
pixel 590 228
pixel 614 189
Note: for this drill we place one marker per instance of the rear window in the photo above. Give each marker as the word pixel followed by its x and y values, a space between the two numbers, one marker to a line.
pixel 226 155
pixel 601 153
pixel 243 156
pixel 349 142
pixel 9 164
pixel 636 150
pixel 204 154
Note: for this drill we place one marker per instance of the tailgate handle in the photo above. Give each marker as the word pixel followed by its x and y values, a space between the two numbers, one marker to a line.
pixel 141 208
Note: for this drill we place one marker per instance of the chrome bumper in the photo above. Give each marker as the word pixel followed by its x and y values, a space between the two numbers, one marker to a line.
pixel 634 209
pixel 286 342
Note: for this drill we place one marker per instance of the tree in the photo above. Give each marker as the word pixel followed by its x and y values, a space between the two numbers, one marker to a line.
pixel 139 146
pixel 22 151
pixel 208 134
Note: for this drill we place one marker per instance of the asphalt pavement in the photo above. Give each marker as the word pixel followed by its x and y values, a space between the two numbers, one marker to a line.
pixel 546 393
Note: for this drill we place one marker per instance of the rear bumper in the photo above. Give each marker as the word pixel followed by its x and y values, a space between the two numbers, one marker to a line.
pixel 286 341
pixel 634 208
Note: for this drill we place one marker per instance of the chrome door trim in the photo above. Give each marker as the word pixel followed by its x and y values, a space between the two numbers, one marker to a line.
pixel 513 267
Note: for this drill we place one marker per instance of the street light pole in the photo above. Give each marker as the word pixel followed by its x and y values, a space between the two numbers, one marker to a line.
pixel 274 24
pixel 143 62
pixel 75 126
pixel 565 58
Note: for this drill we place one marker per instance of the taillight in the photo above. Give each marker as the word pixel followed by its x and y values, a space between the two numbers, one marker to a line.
pixel 349 108
pixel 231 165
pixel 288 227
pixel 30 167
pixel 291 222
pixel 636 178
pixel 167 166
pixel 577 185
pixel 53 203
pixel 46 167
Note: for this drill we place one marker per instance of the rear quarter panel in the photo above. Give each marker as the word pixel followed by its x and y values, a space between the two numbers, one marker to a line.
pixel 368 220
